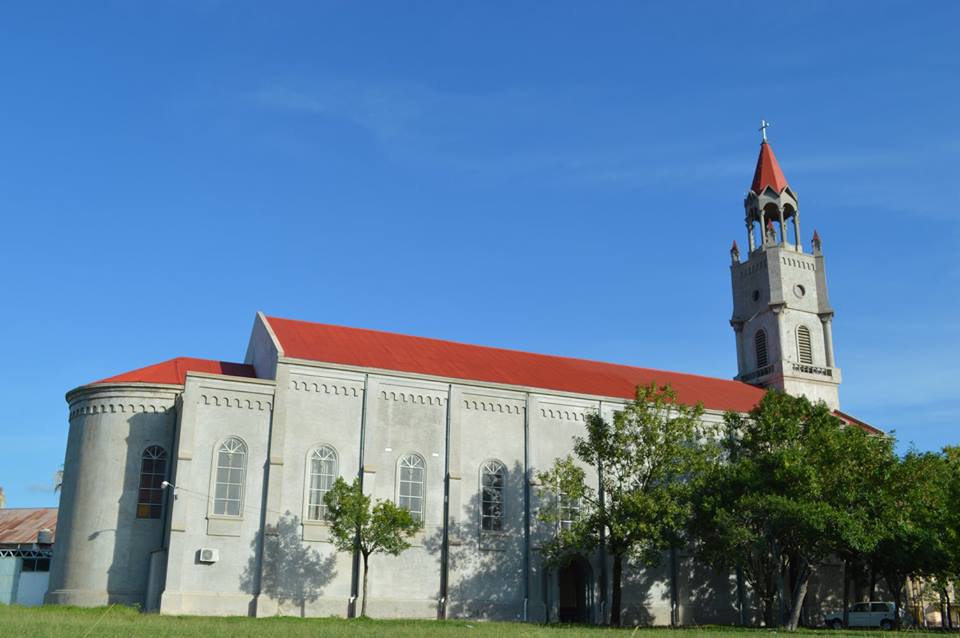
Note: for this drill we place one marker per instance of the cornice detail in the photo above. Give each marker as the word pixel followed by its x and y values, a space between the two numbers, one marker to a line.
pixel 493 406
pixel 421 398
pixel 326 387
pixel 226 401
pixel 115 407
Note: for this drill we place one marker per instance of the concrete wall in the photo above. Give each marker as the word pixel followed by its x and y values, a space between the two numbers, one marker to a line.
pixel 314 407
pixel 274 561
pixel 790 287
pixel 214 409
pixel 32 587
pixel 9 579
pixel 103 549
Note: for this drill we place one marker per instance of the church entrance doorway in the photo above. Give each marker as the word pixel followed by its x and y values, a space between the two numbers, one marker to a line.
pixel 573 584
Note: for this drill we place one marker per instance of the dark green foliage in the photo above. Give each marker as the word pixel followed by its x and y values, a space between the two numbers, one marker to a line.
pixel 795 488
pixel 643 464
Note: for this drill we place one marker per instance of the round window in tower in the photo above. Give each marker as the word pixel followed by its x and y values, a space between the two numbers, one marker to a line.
pixel 756 295
pixel 799 290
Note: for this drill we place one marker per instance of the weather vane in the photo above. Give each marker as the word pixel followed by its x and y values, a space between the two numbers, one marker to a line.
pixel 764 125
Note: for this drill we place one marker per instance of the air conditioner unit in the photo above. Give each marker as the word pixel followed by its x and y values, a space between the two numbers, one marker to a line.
pixel 209 555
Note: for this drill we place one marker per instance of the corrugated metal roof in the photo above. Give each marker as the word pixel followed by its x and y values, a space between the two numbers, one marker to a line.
pixel 21 525
pixel 448 359
pixel 174 371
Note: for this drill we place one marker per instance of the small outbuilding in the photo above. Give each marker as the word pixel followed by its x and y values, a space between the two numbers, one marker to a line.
pixel 26 546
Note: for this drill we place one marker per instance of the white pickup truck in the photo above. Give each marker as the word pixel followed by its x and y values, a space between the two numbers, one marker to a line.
pixel 872 614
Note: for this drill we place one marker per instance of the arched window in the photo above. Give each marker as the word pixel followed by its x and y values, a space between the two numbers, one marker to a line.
pixel 231 468
pixel 760 341
pixel 804 351
pixel 493 476
pixel 322 474
pixel 410 485
pixel 569 510
pixel 153 472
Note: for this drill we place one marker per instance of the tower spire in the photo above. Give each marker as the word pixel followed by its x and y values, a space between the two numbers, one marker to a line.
pixel 768 172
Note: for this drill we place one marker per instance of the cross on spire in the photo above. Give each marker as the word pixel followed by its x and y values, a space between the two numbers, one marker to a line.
pixel 764 125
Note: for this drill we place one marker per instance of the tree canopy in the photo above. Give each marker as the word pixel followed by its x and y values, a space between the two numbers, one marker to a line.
pixel 636 503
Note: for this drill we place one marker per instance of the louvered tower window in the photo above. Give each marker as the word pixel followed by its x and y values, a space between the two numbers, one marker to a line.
pixel 760 341
pixel 804 352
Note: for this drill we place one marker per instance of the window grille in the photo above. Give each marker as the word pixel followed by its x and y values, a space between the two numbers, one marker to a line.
pixel 493 476
pixel 323 472
pixel 231 467
pixel 410 489
pixel 760 341
pixel 153 472
pixel 569 511
pixel 804 351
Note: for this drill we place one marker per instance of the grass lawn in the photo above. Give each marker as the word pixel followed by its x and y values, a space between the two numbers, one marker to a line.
pixel 123 622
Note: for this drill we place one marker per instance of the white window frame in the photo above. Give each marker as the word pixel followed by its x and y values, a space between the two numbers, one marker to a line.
pixel 493 466
pixel 214 482
pixel 417 515
pixel 568 506
pixel 310 490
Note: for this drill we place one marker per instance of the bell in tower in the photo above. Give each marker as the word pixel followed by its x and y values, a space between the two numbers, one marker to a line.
pixel 781 312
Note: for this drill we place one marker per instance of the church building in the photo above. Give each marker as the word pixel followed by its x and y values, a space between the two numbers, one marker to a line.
pixel 196 487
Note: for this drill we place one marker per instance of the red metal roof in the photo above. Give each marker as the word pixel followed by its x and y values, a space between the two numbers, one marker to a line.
pixel 403 353
pixel 20 525
pixel 852 420
pixel 768 171
pixel 174 371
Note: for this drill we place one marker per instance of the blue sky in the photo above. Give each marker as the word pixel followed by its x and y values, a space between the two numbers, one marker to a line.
pixel 557 177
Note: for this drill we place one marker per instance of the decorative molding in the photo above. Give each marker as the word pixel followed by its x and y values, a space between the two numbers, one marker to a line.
pixel 226 401
pixel 493 406
pixel 799 263
pixel 565 414
pixel 327 387
pixel 115 407
pixel 417 397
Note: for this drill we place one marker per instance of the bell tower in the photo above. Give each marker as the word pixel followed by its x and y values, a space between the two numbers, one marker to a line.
pixel 781 312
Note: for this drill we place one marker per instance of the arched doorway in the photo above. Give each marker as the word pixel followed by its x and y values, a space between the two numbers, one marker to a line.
pixel 573 588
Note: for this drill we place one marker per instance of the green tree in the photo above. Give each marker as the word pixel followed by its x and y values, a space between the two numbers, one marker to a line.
pixel 794 489
pixel 917 540
pixel 356 526
pixel 644 461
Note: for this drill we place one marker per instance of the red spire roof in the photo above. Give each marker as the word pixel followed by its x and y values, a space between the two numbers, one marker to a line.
pixel 174 371
pixel 768 171
pixel 403 353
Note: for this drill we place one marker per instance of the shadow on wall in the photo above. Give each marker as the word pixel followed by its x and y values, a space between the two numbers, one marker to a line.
pixel 486 566
pixel 639 583
pixel 710 596
pixel 294 573
pixel 134 538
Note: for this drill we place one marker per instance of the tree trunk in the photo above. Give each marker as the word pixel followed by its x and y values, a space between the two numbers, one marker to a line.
pixel 799 594
pixel 846 594
pixel 617 590
pixel 363 604
pixel 767 611
pixel 897 591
